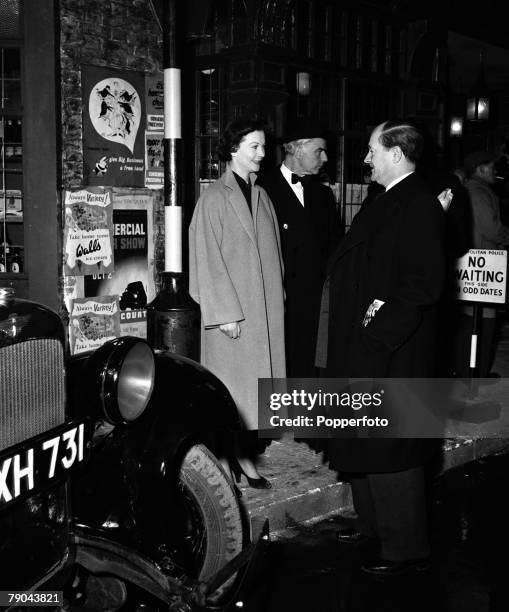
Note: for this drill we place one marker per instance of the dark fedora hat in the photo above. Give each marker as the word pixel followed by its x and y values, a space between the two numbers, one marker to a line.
pixel 300 129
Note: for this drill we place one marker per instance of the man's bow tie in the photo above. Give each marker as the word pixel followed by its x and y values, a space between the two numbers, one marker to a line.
pixel 302 179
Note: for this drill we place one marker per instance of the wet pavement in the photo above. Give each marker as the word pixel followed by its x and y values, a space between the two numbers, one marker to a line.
pixel 305 489
pixel 307 570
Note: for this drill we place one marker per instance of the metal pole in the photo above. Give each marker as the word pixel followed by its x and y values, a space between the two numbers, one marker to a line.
pixel 172 141
pixel 474 343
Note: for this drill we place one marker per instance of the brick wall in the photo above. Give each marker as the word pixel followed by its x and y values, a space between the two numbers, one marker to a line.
pixel 118 33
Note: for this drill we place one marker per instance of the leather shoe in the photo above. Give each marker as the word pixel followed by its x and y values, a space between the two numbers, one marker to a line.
pixel 256 483
pixel 350 535
pixel 384 567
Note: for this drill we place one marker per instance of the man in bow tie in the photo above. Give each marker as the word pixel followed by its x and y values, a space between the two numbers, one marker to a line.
pixel 310 229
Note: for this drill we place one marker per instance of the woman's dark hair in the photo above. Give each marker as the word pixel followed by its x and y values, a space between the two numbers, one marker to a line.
pixel 234 133
pixel 405 135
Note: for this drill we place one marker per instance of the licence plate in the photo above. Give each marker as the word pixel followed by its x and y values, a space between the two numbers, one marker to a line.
pixel 33 465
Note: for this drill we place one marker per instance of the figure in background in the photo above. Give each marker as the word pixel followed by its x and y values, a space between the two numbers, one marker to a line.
pixel 310 229
pixel 380 304
pixel 488 233
pixel 236 276
pixel 452 194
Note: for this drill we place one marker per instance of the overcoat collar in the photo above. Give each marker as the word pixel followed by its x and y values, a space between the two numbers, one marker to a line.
pixel 368 220
pixel 238 201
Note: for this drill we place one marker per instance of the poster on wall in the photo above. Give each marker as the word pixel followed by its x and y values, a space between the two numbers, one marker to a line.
pixel 93 321
pixel 88 241
pixel 154 164
pixel 113 126
pixel 133 279
pixel 154 96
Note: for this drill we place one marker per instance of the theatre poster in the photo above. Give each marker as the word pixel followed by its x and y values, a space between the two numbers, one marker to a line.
pixel 133 278
pixel 113 126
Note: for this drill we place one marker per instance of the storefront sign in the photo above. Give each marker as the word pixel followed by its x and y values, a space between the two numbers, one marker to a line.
pixel 481 276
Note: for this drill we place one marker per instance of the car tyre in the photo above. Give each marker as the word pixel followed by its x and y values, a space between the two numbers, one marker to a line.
pixel 215 528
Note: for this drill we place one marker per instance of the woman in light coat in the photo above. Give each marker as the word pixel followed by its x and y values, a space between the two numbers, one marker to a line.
pixel 236 276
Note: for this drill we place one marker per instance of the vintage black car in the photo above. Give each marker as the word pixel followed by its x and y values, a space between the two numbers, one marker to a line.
pixel 109 483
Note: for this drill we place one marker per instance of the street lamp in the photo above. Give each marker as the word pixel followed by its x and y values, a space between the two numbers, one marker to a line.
pixel 456 126
pixel 303 83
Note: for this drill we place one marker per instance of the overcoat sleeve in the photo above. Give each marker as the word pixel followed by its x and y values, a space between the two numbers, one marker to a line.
pixel 272 211
pixel 209 281
pixel 421 269
pixel 335 226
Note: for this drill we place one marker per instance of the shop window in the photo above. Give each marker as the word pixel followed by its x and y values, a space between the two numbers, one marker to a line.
pixel 388 50
pixel 208 124
pixel 240 23
pixel 306 26
pixel 393 50
pixel 403 53
pixel 373 52
pixel 339 36
pixel 273 73
pixel 242 71
pixel 328 29
pixel 291 30
pixel 359 40
pixel 11 156
pixel 323 25
pixel 10 19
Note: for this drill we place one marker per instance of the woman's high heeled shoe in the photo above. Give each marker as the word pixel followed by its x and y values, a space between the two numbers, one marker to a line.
pixel 255 483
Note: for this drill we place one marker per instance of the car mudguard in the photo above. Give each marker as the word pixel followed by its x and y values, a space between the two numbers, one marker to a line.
pixel 128 490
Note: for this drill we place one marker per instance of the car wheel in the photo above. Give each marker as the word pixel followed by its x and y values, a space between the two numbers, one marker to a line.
pixel 213 525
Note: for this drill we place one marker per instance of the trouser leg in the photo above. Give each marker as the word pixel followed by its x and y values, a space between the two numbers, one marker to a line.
pixel 462 342
pixel 400 509
pixel 363 504
pixel 487 345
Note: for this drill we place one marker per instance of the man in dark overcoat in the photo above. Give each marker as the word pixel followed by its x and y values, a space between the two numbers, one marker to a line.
pixel 384 283
pixel 310 229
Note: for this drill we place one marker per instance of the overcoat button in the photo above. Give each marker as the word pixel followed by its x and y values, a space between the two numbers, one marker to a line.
pixel 285 225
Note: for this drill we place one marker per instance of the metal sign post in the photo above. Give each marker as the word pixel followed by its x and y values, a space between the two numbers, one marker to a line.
pixel 480 278
pixel 476 324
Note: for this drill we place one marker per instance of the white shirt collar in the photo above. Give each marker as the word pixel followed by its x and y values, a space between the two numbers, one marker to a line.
pixel 396 181
pixel 287 173
pixel 297 188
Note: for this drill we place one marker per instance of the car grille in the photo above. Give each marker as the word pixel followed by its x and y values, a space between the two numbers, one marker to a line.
pixel 32 389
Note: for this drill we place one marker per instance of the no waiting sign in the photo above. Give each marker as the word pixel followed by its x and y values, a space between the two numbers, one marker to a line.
pixel 481 276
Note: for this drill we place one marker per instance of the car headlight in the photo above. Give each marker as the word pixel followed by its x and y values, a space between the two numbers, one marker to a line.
pixel 126 376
